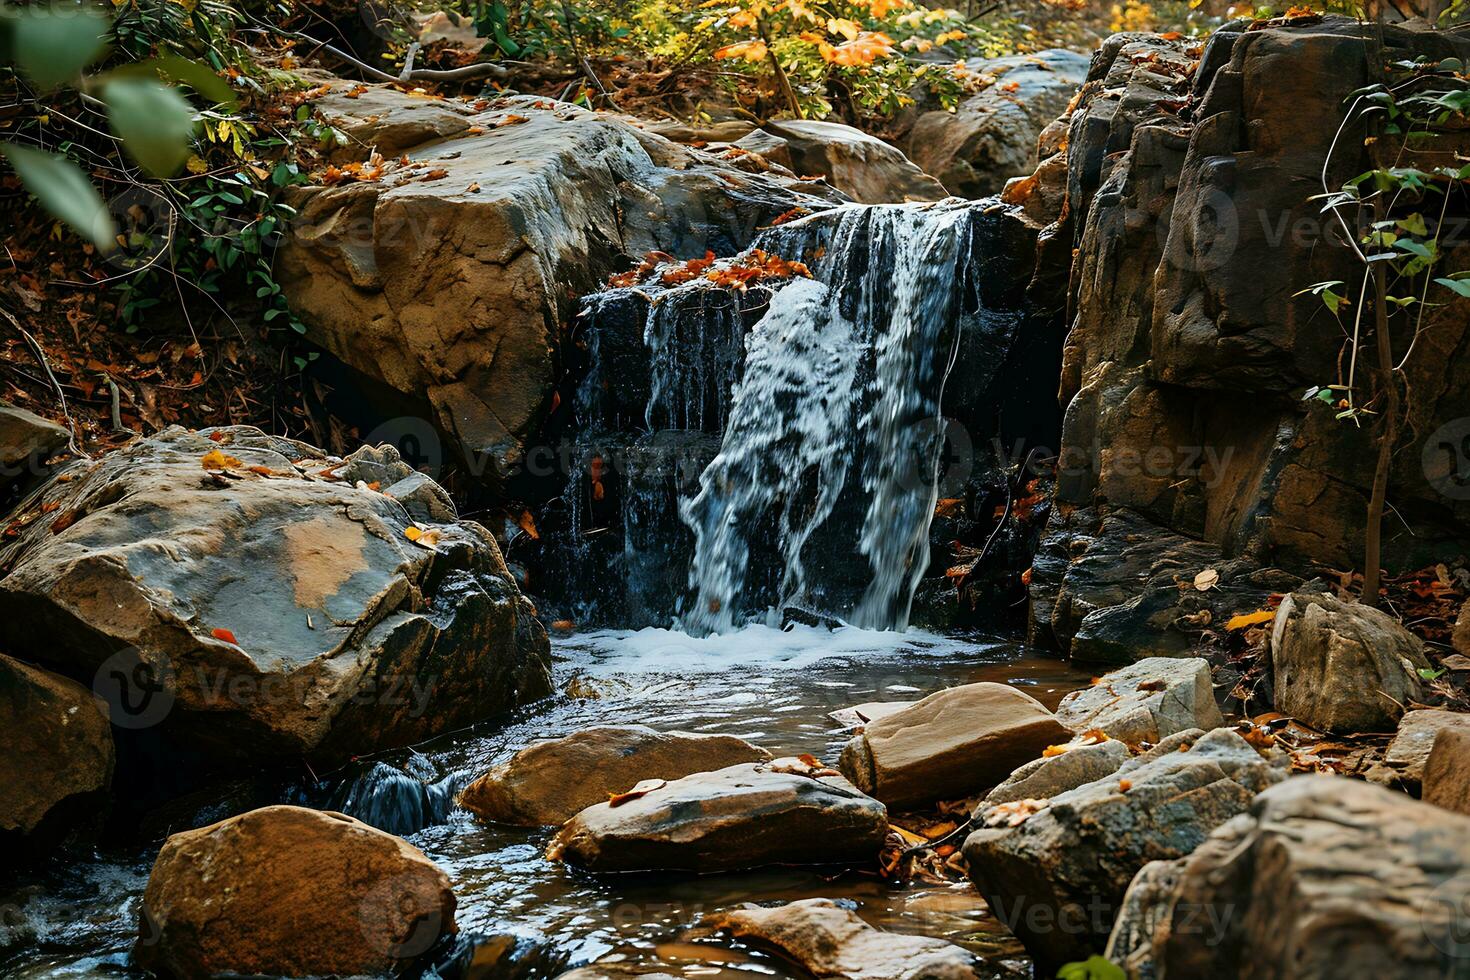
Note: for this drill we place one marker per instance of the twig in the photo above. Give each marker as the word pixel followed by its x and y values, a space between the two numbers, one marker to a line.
pixel 36 349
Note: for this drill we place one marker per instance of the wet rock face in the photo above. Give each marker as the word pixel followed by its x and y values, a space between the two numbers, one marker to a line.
pixel 290 892
pixel 992 136
pixel 950 744
pixel 1323 876
pixel 454 290
pixel 274 609
pixel 1153 698
pixel 828 940
pixel 58 748
pixel 745 816
pixel 1057 879
pixel 533 788
pixel 1189 178
pixel 1341 666
pixel 1115 587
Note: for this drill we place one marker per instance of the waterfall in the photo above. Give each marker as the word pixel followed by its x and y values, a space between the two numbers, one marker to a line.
pixel 740 452
pixel 842 386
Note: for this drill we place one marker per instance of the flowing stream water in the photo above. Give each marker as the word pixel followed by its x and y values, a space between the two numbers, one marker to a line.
pixel 78 916
pixel 803 419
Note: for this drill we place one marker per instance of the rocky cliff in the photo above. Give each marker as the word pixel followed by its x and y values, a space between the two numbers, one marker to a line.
pixel 1190 174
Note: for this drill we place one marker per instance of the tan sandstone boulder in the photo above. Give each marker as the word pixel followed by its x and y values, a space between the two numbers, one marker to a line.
pixel 1342 666
pixel 949 745
pixel 827 940
pixel 58 747
pixel 261 601
pixel 1321 877
pixel 290 892
pixel 1447 771
pixel 1056 876
pixel 1146 702
pixel 449 279
pixel 1407 754
pixel 533 788
pixel 781 812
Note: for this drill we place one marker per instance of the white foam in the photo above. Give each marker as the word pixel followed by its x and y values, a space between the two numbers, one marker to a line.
pixel 757 647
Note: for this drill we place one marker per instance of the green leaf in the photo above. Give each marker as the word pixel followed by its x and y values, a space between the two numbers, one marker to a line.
pixel 1430 674
pixel 173 68
pixel 1414 225
pixel 155 123
pixel 1416 248
pixel 64 190
pixel 53 45
pixel 1460 286
pixel 1093 968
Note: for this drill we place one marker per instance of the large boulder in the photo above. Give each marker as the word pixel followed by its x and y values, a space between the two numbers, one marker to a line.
pixel 1407 754
pixel 1322 877
pixel 993 136
pixel 949 745
pixel 859 165
pixel 58 748
pixel 262 601
pixel 827 940
pixel 1057 878
pixel 1343 666
pixel 1145 702
pixel 781 812
pixel 290 892
pixel 449 278
pixel 532 788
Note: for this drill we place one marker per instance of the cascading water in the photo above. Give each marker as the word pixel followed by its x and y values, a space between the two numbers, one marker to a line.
pixel 843 379
pixel 744 453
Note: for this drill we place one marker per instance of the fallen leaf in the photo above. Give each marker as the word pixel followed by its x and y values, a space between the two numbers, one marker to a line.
pixel 642 788
pixel 1207 580
pixel 224 634
pixel 216 460
pixel 1243 620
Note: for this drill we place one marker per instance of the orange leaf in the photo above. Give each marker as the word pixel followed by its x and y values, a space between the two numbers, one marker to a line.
pixel 224 634
pixel 216 460
pixel 642 788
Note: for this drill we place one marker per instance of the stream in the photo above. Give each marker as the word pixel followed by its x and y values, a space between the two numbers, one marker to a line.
pixel 79 916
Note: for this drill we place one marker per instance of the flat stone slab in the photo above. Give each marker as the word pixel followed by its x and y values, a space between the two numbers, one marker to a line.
pixel 828 940
pixel 781 812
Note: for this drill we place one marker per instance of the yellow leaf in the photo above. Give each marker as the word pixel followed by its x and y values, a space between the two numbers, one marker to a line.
pixel 847 28
pixel 196 164
pixel 1250 619
pixel 216 460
